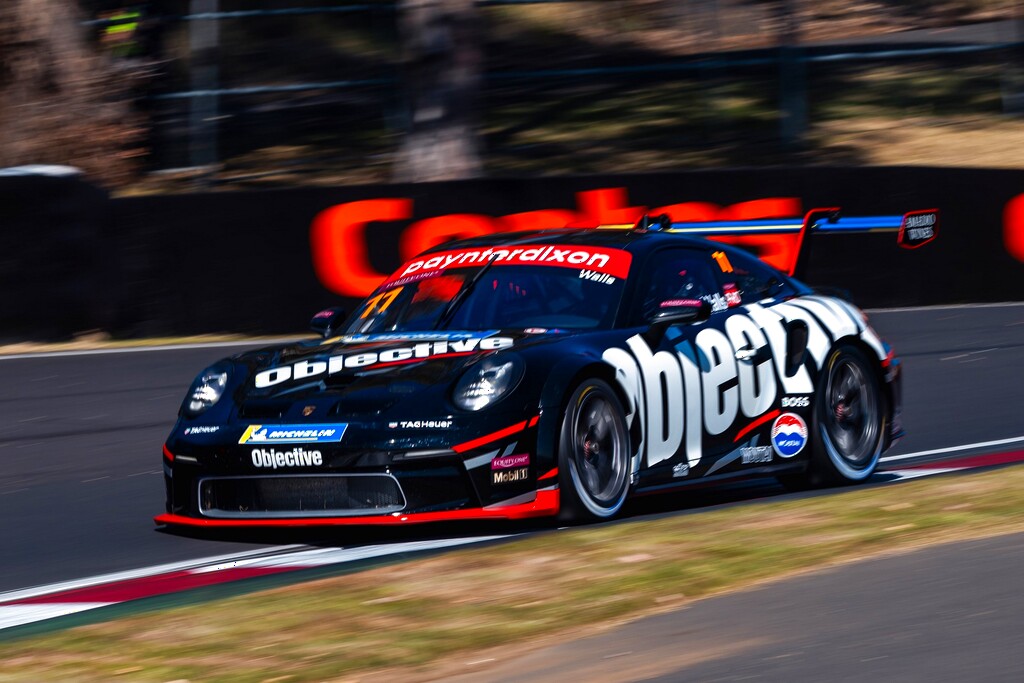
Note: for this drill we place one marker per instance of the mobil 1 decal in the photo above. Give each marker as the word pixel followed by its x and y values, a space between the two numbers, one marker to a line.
pixel 693 384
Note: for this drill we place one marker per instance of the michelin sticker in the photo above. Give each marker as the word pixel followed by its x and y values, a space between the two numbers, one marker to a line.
pixel 304 433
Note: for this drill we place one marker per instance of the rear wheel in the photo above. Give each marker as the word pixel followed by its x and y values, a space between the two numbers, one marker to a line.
pixel 593 458
pixel 850 417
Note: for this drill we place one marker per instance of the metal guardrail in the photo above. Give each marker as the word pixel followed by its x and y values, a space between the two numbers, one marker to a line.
pixel 300 11
pixel 284 12
pixel 205 92
pixel 695 66
pixel 270 89
pixel 241 14
pixel 672 67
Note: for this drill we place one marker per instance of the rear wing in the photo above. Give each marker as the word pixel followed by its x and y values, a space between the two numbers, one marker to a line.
pixel 783 243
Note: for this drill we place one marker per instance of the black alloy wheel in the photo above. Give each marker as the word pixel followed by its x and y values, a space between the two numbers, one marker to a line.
pixel 850 417
pixel 594 454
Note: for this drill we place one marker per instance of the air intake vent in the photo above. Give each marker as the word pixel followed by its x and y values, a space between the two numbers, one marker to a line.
pixel 300 496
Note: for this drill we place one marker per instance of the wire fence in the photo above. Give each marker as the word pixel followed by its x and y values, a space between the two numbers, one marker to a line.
pixel 567 83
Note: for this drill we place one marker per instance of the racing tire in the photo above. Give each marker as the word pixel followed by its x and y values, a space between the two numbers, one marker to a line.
pixel 593 454
pixel 849 423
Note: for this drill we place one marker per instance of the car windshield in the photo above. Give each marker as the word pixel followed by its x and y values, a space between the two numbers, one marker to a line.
pixel 495 292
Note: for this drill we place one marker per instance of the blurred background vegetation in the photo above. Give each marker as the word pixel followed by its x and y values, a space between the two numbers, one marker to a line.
pixel 536 87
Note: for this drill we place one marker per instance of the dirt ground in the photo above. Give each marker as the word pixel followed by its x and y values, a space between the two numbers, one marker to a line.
pixel 923 142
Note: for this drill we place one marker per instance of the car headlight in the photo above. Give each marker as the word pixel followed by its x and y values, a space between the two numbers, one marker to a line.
pixel 206 390
pixel 487 381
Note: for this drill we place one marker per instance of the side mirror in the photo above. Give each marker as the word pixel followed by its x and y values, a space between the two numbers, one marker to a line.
pixel 681 311
pixel 327 321
pixel 676 312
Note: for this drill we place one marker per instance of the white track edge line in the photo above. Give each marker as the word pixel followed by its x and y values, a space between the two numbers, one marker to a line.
pixel 953 449
pixel 943 307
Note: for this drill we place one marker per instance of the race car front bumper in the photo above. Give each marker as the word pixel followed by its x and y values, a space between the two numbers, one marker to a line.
pixel 214 487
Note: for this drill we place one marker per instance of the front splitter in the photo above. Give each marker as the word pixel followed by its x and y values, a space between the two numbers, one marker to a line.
pixel 546 504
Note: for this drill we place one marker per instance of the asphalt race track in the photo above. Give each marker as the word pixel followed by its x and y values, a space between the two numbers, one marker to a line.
pixel 946 613
pixel 80 437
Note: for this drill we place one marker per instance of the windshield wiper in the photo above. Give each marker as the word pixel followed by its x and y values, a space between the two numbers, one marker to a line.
pixel 453 305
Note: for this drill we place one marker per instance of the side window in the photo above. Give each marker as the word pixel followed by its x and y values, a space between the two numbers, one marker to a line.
pixel 746 280
pixel 675 274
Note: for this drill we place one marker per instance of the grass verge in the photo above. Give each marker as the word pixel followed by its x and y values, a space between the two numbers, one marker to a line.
pixel 401 622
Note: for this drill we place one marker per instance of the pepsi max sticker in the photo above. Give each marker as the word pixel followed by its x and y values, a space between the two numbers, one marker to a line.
pixel 789 435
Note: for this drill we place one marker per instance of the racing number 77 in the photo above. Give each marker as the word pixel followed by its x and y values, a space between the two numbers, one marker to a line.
pixel 380 303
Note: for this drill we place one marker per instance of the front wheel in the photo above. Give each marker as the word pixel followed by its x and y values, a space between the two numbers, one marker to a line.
pixel 593 454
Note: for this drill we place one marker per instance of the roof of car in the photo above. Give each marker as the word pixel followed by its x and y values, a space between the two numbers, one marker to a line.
pixel 629 240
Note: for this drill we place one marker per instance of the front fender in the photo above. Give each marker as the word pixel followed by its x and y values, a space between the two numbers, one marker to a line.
pixel 560 383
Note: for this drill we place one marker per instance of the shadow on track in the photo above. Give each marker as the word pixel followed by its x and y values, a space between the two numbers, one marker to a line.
pixel 694 499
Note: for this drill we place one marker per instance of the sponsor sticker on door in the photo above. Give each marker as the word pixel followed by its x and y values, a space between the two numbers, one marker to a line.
pixel 789 435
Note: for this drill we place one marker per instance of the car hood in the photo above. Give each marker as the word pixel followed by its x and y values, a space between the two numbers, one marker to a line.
pixel 360 373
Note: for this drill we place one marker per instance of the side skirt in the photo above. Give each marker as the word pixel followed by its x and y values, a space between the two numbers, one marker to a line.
pixel 643 489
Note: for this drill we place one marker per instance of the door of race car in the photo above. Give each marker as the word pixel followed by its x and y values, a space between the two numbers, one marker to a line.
pixel 710 387
pixel 772 426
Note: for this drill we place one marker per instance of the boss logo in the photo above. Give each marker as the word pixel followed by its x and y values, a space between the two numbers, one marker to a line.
pixel 796 401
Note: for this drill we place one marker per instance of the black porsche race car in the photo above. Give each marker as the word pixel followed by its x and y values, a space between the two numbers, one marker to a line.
pixel 542 373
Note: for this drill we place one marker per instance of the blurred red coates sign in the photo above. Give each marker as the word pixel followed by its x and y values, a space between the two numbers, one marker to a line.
pixel 338 235
pixel 1013 227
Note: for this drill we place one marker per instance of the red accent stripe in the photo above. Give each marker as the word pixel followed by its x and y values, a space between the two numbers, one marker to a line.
pixel 168 454
pixel 494 436
pixel 756 423
pixel 969 462
pixel 149 586
pixel 549 475
pixel 534 420
pixel 546 504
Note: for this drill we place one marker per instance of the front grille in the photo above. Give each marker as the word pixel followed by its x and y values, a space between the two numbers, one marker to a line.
pixel 337 495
